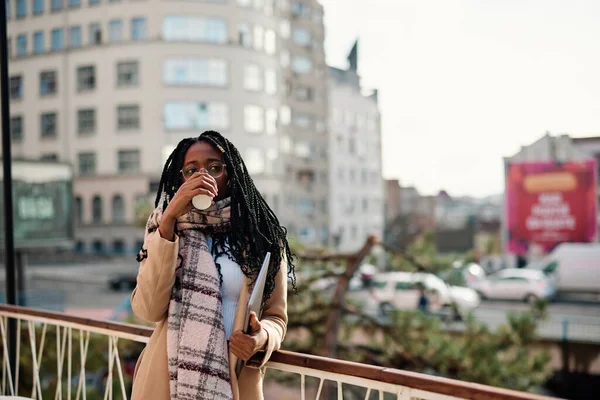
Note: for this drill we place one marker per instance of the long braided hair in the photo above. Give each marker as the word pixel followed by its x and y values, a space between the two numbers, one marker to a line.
pixel 255 229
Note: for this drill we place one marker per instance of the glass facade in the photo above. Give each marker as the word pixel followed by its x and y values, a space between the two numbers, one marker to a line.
pixel 195 71
pixel 184 115
pixel 194 29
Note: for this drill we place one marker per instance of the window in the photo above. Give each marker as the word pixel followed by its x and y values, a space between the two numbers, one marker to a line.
pixel 21 8
pixel 304 93
pixel 129 161
pixel 75 37
pixel 98 245
pixel 86 121
pixel 118 208
pixel 78 212
pixel 74 3
pixel 21 45
pixel 58 39
pixel 196 71
pixel 49 157
pixel 254 121
pixel 270 81
pixel 38 42
pixel 244 3
pixel 192 115
pixel 306 234
pixel 285 144
pixel 284 29
pixel 301 37
pixel 304 121
pixel 8 7
pixel 94 2
pixel 115 30
pixel 79 246
pixel 269 7
pixel 97 212
pixel 48 125
pixel 302 65
pixel 258 37
pixel 86 78
pixel 38 7
pixel 56 5
pixel 195 29
pixel 305 206
pixel 300 9
pixel 271 121
pixel 270 42
pixel 285 115
pixel 87 163
pixel 95 34
pixel 244 35
pixel 16 87
pixel 255 160
pixel 128 117
pixel 118 246
pixel 304 150
pixel 253 79
pixel 16 128
pixel 139 28
pixel 128 73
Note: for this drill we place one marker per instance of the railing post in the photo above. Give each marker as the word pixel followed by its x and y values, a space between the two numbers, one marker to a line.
pixel 565 346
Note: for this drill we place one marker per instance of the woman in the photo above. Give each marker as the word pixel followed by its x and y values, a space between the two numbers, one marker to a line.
pixel 195 277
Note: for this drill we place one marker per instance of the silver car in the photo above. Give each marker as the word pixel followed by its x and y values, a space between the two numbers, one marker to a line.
pixel 516 284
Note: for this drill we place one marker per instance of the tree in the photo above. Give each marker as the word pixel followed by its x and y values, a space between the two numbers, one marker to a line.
pixel 322 322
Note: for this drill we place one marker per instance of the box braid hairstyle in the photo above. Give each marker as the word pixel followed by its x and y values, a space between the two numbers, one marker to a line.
pixel 255 229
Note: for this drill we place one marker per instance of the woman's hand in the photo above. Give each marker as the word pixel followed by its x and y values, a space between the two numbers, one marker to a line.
pixel 245 346
pixel 200 183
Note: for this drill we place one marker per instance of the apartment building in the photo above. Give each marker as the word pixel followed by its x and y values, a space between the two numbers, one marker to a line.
pixel 112 86
pixel 357 188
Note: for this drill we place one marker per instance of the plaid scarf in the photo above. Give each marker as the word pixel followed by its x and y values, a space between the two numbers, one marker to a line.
pixel 196 342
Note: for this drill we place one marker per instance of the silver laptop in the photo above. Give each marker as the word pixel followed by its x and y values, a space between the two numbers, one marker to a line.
pixel 255 302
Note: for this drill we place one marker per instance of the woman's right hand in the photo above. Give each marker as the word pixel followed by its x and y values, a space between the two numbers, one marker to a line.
pixel 200 183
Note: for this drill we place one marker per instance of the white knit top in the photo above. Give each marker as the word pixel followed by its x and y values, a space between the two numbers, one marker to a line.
pixel 233 279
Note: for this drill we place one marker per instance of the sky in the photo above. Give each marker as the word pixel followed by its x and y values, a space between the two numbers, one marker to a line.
pixel 464 83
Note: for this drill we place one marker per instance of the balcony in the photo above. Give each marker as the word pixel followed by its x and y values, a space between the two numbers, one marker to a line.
pixel 57 360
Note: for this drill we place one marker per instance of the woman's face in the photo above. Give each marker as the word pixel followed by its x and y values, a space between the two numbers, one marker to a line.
pixel 203 155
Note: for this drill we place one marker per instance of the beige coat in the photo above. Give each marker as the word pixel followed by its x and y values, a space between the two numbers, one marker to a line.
pixel 150 301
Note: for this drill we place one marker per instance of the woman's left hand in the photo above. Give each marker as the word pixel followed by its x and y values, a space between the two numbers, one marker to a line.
pixel 245 346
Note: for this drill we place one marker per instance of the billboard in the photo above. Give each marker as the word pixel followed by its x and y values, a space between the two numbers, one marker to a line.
pixel 548 203
pixel 42 205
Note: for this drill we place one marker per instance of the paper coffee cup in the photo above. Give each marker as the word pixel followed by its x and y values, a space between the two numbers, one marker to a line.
pixel 201 201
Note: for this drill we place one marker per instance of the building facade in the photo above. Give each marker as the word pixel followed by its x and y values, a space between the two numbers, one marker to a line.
pixel 561 148
pixel 113 86
pixel 356 191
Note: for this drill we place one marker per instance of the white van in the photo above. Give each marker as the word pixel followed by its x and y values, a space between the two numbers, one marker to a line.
pixel 575 267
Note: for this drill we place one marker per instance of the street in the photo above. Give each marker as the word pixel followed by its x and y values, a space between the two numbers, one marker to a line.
pixel 84 290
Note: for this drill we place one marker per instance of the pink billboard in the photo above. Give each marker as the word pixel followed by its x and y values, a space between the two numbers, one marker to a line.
pixel 548 203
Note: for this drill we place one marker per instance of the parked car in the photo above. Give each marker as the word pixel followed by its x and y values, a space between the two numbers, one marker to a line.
pixel 516 284
pixel 400 290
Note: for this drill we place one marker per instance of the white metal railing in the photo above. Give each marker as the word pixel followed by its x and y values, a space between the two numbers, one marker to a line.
pixel 74 331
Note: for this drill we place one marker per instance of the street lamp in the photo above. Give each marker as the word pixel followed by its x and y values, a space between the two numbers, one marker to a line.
pixel 9 243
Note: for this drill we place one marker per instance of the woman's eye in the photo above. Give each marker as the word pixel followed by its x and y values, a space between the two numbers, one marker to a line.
pixel 190 171
pixel 215 168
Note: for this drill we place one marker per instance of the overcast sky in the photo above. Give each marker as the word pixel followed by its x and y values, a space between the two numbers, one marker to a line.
pixel 464 83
